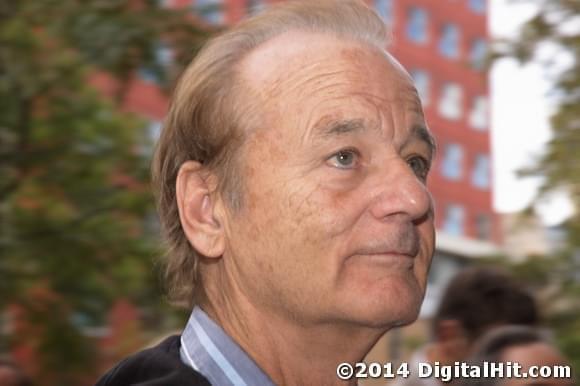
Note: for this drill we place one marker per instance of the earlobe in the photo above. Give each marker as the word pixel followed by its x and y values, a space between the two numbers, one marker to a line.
pixel 198 214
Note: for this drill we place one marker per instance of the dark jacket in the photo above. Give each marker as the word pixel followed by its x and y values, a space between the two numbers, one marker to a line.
pixel 158 366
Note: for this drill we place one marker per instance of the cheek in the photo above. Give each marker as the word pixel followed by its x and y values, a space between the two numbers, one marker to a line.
pixel 292 214
pixel 427 235
pixel 297 232
pixel 298 205
pixel 325 219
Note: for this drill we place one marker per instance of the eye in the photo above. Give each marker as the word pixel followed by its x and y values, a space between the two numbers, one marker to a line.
pixel 344 159
pixel 420 166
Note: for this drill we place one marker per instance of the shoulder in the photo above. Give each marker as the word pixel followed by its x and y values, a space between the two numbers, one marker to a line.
pixel 156 366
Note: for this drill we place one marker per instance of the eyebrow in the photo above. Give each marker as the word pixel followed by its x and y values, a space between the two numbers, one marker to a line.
pixel 342 127
pixel 423 134
pixel 418 132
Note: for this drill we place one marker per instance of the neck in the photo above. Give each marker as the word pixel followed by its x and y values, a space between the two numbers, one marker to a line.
pixel 292 352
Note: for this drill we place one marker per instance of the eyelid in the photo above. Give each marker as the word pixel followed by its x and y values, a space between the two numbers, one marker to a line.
pixel 427 158
pixel 352 150
pixel 428 164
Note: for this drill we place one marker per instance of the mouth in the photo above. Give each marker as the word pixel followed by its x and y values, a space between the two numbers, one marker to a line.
pixel 400 243
pixel 388 259
pixel 388 255
pixel 393 255
pixel 402 257
pixel 410 251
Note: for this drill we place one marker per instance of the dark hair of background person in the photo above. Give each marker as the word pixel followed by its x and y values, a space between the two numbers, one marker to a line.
pixel 17 378
pixel 480 298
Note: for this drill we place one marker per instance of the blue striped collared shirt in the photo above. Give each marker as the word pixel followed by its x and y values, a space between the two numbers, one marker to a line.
pixel 209 350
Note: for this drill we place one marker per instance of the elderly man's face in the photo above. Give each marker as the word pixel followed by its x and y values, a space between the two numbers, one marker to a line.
pixel 337 223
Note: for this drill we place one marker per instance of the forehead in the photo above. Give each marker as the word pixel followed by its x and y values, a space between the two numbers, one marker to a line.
pixel 300 66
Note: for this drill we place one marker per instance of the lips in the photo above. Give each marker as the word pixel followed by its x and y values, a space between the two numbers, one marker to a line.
pixel 403 241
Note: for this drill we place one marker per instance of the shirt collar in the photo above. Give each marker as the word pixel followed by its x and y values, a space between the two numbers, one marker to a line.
pixel 209 350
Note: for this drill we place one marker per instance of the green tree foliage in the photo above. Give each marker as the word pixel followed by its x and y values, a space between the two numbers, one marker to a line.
pixel 556 24
pixel 75 204
pixel 558 277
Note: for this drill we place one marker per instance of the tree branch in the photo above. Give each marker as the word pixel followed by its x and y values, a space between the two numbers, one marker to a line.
pixel 23 128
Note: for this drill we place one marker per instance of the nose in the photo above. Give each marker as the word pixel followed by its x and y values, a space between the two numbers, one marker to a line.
pixel 399 191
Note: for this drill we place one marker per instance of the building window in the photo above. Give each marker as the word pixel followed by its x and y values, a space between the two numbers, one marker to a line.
pixel 162 59
pixel 479 114
pixel 483 227
pixel 478 53
pixel 256 6
pixel 450 103
pixel 452 163
pixel 477 6
pixel 453 223
pixel 422 83
pixel 449 42
pixel 385 9
pixel 154 130
pixel 211 11
pixel 481 172
pixel 417 25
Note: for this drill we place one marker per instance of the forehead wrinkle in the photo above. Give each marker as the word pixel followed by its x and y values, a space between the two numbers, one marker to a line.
pixel 327 88
pixel 336 122
pixel 312 76
pixel 392 99
pixel 310 83
pixel 414 102
pixel 338 79
pixel 418 130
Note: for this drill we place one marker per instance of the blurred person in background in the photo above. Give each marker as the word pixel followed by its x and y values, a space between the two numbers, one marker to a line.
pixel 12 375
pixel 523 345
pixel 291 175
pixel 476 299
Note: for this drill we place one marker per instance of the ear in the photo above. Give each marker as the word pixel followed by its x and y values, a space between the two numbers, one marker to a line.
pixel 198 213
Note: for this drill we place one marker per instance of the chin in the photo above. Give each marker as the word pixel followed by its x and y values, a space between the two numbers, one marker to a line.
pixel 389 317
pixel 396 304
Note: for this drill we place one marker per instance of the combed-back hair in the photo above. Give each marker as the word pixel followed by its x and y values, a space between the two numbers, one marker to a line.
pixel 209 116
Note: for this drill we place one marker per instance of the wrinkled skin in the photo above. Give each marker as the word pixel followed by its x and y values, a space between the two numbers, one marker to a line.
pixel 337 223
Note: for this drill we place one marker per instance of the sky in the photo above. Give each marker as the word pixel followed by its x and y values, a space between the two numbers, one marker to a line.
pixel 520 108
